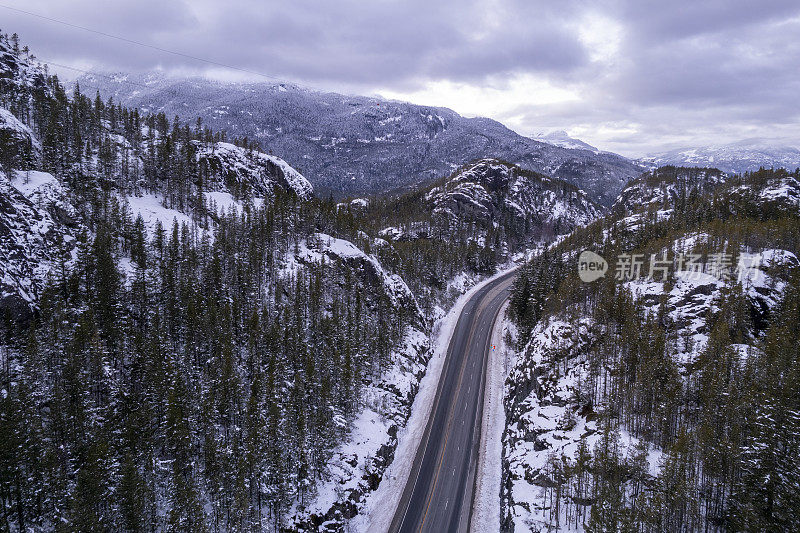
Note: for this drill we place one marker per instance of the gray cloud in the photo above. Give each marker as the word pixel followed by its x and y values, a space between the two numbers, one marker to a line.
pixel 680 71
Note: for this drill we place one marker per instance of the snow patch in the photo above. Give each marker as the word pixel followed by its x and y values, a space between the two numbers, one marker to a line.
pixel 152 210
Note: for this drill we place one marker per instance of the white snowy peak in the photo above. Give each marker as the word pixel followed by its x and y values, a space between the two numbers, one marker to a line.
pixel 562 139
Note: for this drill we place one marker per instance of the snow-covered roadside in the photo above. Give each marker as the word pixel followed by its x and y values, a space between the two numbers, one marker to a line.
pixel 382 503
pixel 486 513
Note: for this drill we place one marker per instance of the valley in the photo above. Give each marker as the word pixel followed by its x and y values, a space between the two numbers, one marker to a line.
pixel 236 306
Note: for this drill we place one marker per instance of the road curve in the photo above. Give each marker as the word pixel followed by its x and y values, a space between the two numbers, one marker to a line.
pixel 438 495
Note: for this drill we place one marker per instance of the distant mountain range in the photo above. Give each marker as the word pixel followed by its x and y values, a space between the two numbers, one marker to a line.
pixel 356 145
pixel 742 156
pixel 353 145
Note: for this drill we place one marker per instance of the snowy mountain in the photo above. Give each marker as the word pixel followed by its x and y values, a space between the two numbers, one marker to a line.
pixel 562 139
pixel 668 188
pixel 197 341
pixel 351 145
pixel 768 192
pixel 132 222
pixel 493 190
pixel 191 340
pixel 624 389
pixel 554 418
pixel 663 187
pixel 490 206
pixel 233 167
pixel 39 222
pixel 743 156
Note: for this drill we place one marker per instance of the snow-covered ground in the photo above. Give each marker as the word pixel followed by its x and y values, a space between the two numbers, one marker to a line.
pixel 548 423
pixel 32 183
pixel 152 209
pixel 224 202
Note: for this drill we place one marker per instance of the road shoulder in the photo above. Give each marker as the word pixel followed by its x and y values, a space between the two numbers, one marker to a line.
pixel 486 502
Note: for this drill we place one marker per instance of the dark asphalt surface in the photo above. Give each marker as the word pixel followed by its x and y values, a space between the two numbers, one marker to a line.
pixel 438 495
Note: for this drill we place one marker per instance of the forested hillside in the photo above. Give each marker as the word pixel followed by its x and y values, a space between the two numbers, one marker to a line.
pixel 484 212
pixel 191 340
pixel 662 396
pixel 179 365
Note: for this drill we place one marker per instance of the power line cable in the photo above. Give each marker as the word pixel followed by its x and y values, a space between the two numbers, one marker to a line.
pixel 139 43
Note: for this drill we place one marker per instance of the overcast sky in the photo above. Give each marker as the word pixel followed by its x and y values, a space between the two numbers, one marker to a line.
pixel 632 76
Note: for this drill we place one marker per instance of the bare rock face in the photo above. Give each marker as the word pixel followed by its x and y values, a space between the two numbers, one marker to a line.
pixel 32 242
pixel 231 167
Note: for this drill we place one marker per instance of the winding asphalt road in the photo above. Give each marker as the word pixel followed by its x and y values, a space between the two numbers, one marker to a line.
pixel 438 495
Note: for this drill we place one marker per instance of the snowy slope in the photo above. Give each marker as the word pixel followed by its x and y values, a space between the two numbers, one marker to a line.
pixel 324 247
pixel 151 208
pixel 358 464
pixel 38 224
pixel 20 147
pixel 20 73
pixel 549 414
pixel 778 191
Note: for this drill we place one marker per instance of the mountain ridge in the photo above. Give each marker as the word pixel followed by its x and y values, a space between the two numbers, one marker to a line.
pixel 351 145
